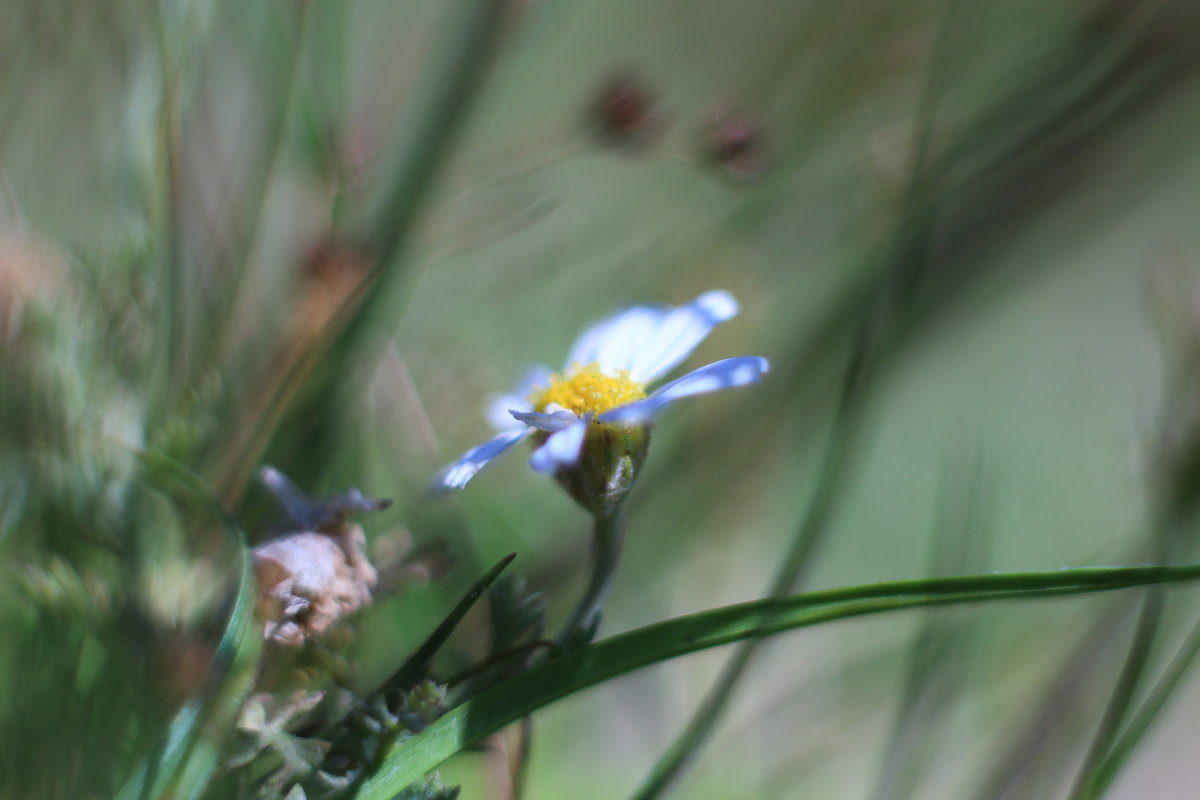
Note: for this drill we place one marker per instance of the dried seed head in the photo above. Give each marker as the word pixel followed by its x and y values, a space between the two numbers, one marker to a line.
pixel 736 143
pixel 309 582
pixel 622 112
pixel 312 579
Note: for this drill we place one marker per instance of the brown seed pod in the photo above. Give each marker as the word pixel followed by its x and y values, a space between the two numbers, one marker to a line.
pixel 622 112
pixel 736 142
pixel 313 578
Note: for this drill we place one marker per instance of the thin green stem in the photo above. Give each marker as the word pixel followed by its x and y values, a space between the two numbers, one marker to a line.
pixel 937 657
pixel 1137 657
pixel 1145 716
pixel 809 536
pixel 1164 543
pixel 1036 739
pixel 184 762
pixel 436 114
pixel 417 666
pixel 260 184
pixel 606 552
pixel 329 97
pixel 812 531
pixel 434 127
pixel 170 363
pixel 520 771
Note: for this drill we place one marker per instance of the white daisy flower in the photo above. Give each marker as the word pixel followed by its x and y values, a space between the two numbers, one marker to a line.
pixel 603 386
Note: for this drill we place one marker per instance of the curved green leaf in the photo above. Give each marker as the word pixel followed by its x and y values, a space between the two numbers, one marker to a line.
pixel 184 761
pixel 418 663
pixel 181 759
pixel 468 723
pixel 1125 745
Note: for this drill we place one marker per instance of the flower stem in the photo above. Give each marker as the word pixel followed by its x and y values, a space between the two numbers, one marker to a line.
pixel 606 551
pixel 1164 545
pixel 1107 771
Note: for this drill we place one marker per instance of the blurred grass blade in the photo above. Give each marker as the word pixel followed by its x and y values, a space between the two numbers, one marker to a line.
pixel 184 763
pixel 223 710
pixel 1043 736
pixel 435 120
pixel 1138 655
pixel 853 399
pixel 810 534
pixel 1165 540
pixel 988 176
pixel 259 184
pixel 588 666
pixel 939 652
pixel 1142 721
pixel 433 124
pixel 171 331
pixel 417 665
pixel 316 391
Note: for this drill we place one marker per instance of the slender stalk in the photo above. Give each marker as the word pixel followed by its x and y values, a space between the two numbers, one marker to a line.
pixel 427 144
pixel 183 763
pixel 939 653
pixel 520 771
pixel 606 552
pixel 1164 543
pixel 258 188
pixel 873 338
pixel 1137 657
pixel 1111 766
pixel 808 538
pixel 1039 736
pixel 170 364
pixel 318 388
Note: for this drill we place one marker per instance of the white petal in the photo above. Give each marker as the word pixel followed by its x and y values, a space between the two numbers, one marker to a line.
pixel 679 332
pixel 614 343
pixel 552 422
pixel 498 405
pixel 718 375
pixel 650 341
pixel 561 449
pixel 533 377
pixel 457 474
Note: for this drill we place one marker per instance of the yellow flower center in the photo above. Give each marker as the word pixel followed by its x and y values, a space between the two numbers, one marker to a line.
pixel 586 389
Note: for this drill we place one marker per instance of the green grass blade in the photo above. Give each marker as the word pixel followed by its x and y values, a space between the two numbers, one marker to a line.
pixel 856 390
pixel 182 761
pixel 1138 656
pixel 318 390
pixel 618 655
pixel 438 113
pixel 810 535
pixel 259 184
pixel 939 654
pixel 1040 737
pixel 1142 721
pixel 417 665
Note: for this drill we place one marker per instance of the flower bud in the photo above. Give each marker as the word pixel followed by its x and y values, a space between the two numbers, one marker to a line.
pixel 608 466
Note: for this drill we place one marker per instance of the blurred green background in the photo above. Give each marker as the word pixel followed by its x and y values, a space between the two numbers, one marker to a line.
pixel 985 193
